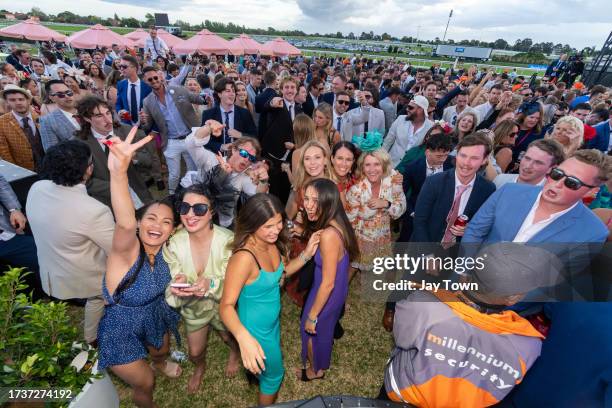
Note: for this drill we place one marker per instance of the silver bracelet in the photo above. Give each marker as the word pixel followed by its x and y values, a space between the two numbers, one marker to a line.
pixel 304 258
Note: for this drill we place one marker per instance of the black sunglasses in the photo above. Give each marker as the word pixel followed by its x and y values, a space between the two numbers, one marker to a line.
pixel 343 102
pixel 123 66
pixel 153 79
pixel 199 209
pixel 571 182
pixel 243 153
pixel 62 95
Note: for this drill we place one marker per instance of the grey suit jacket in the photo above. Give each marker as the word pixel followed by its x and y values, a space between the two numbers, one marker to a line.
pixel 390 110
pixel 351 120
pixel 183 100
pixel 54 128
pixel 376 120
pixel 9 202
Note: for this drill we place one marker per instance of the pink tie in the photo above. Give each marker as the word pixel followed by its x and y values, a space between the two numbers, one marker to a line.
pixel 453 214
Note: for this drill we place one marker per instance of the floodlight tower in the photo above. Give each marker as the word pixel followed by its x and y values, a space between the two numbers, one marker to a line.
pixel 447 23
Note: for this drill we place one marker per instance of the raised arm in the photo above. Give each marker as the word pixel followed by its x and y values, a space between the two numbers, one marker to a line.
pixel 125 246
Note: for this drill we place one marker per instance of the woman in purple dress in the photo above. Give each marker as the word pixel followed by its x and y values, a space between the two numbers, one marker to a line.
pixel 338 246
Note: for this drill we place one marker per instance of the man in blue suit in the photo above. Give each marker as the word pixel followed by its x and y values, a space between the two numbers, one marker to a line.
pixel 553 214
pixel 454 192
pixel 237 121
pixel 601 141
pixel 131 91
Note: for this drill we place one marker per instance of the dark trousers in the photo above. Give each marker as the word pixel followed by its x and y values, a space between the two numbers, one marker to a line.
pixel 20 251
pixel 279 182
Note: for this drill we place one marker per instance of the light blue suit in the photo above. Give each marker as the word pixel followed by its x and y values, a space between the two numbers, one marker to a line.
pixel 54 128
pixel 501 216
pixel 575 237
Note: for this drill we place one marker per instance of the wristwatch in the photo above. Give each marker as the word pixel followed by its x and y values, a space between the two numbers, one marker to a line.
pixel 314 321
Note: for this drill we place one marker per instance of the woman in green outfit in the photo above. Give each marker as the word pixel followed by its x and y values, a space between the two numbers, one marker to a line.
pixel 253 280
pixel 197 255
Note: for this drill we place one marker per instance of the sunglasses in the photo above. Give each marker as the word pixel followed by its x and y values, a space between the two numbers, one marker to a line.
pixel 246 155
pixel 123 66
pixel 153 79
pixel 513 134
pixel 571 182
pixel 343 102
pixel 199 209
pixel 62 95
pixel 321 89
pixel 411 107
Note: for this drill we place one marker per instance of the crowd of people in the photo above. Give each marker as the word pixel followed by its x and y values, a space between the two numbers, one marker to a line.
pixel 193 190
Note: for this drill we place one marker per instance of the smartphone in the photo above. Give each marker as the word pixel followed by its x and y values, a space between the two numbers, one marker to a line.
pixel 180 285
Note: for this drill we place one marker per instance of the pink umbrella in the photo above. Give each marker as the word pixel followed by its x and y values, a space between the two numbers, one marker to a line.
pixel 249 45
pixel 282 48
pixel 137 37
pixel 170 39
pixel 207 43
pixel 98 36
pixel 31 29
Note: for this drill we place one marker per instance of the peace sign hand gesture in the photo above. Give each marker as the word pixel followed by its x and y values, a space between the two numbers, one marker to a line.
pixel 121 152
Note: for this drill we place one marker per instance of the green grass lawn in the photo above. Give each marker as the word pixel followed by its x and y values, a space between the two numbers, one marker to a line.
pixel 358 361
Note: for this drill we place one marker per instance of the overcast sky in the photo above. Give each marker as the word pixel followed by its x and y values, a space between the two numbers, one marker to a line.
pixel 579 23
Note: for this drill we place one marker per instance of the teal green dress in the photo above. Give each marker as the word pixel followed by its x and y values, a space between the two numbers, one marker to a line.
pixel 259 307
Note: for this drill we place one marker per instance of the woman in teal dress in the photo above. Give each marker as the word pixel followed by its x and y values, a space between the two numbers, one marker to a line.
pixel 252 281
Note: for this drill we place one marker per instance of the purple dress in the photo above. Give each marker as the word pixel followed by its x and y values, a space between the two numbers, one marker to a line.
pixel 323 341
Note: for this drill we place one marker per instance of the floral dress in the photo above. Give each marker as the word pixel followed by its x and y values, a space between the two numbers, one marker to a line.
pixel 373 226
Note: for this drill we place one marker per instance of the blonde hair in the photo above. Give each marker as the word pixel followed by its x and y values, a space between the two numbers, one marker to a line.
pixel 303 130
pixel 455 134
pixel 381 155
pixel 300 177
pixel 326 109
pixel 575 137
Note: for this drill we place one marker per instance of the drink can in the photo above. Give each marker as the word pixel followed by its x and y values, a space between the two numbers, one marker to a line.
pixel 461 221
pixel 126 116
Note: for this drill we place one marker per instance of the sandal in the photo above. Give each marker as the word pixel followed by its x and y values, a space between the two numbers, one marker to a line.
pixel 306 379
pixel 170 370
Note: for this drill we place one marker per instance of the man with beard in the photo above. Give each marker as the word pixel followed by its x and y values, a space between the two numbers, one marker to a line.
pixel 408 130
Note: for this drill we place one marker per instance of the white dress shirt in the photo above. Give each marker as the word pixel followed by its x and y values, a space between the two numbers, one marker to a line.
pixel 466 194
pixel 129 96
pixel 430 170
pixel 291 108
pixel 160 47
pixel 529 229
pixel 482 111
pixel 70 117
pixel 315 100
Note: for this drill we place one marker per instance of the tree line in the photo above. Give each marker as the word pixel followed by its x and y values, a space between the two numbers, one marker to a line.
pixel 525 45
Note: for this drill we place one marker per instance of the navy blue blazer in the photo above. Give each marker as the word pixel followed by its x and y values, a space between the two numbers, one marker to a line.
pixel 601 141
pixel 415 174
pixel 308 106
pixel 243 122
pixel 122 96
pixel 260 101
pixel 435 200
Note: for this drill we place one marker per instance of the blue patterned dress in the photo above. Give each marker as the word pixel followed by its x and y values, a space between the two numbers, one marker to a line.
pixel 139 317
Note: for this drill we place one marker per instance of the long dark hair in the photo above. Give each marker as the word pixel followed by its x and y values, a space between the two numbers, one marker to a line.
pixel 331 209
pixel 85 109
pixel 256 212
pixel 142 255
